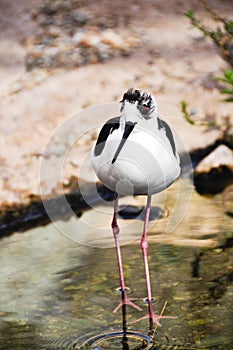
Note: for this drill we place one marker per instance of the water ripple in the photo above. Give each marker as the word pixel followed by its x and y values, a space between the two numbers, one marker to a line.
pixel 117 339
pixel 114 339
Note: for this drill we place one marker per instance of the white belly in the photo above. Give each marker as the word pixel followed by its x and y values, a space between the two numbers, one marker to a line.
pixel 145 164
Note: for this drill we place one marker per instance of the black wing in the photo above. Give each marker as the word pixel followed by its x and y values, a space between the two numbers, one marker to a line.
pixel 163 124
pixel 106 130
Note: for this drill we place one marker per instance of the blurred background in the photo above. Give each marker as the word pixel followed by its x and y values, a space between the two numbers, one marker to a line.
pixel 58 57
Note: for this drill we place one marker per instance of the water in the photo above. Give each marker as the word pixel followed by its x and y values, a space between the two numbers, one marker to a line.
pixel 57 293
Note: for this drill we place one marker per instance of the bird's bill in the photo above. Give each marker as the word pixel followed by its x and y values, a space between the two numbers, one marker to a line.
pixel 127 131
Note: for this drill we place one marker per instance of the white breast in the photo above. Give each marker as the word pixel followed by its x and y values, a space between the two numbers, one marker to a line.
pixel 145 165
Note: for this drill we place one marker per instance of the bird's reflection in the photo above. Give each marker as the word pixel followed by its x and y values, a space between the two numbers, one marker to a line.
pixel 125 345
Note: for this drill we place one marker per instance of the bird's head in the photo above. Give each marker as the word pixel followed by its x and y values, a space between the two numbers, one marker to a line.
pixel 137 104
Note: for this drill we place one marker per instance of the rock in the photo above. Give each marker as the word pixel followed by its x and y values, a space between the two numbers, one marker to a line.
pixel 221 156
pixel 54 31
pixel 90 39
pixel 69 37
pixel 215 172
pixel 50 8
pixel 112 39
pixel 79 18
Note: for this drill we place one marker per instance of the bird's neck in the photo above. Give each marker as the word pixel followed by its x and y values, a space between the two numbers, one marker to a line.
pixel 138 119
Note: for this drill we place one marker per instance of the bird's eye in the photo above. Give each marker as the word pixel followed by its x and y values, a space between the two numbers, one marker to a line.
pixel 144 109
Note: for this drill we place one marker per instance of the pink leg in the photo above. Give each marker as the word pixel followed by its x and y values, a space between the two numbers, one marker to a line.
pixel 115 228
pixel 144 246
pixel 153 318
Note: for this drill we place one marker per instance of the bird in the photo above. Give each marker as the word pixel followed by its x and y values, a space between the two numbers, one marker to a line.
pixel 135 154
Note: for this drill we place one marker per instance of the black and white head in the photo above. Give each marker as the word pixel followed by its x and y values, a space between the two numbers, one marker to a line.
pixel 138 104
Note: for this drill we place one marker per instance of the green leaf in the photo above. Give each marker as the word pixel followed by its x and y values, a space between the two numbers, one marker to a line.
pixel 229 27
pixel 229 75
pixel 212 124
pixel 227 79
pixel 186 114
pixel 227 91
pixel 184 104
pixel 189 14
pixel 229 99
pixel 224 80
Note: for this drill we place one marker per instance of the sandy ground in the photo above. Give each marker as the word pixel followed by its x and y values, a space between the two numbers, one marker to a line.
pixel 173 61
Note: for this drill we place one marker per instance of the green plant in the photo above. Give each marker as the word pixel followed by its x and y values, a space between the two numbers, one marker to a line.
pixel 222 36
pixel 228 82
pixel 186 114
pixel 188 117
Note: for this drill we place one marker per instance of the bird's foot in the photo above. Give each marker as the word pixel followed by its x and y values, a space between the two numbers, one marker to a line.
pixel 155 318
pixel 127 301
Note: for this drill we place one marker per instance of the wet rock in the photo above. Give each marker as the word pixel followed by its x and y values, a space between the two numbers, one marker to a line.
pixel 215 172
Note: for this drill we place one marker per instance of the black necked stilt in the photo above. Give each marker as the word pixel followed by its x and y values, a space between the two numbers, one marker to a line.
pixel 135 154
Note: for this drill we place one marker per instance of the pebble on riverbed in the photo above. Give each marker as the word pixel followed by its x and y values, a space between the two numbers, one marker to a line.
pixel 215 172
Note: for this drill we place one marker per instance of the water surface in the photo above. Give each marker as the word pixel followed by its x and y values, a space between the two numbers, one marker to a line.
pixel 57 293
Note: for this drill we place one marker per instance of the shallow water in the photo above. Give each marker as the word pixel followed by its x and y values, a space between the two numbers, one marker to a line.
pixel 58 293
